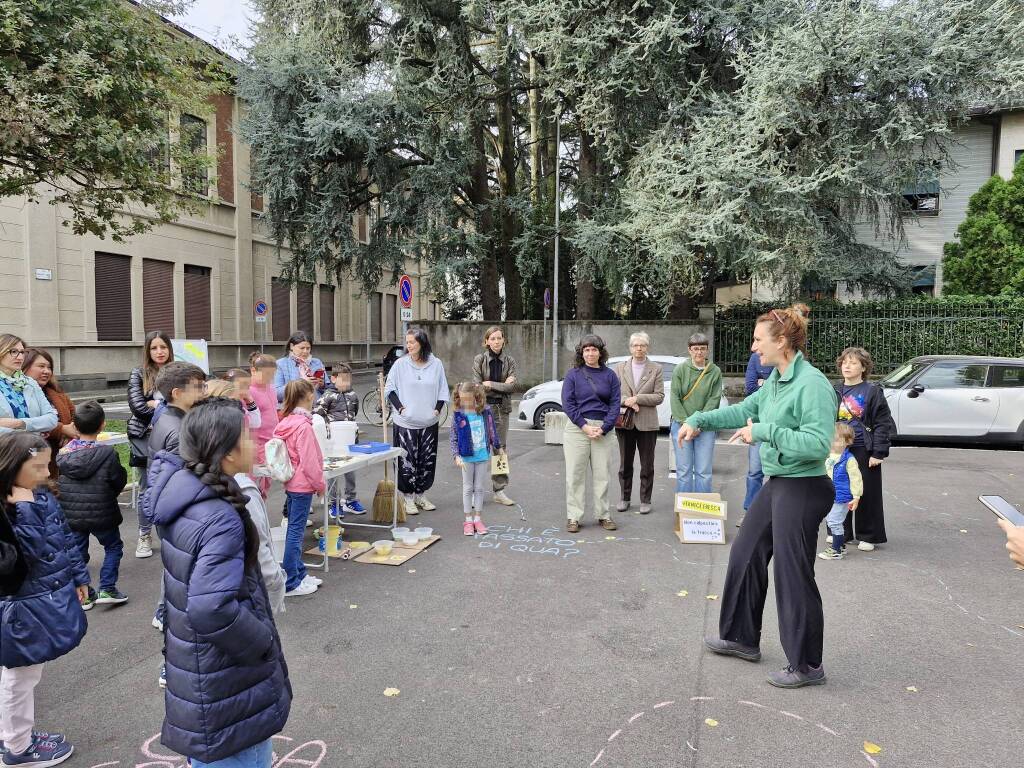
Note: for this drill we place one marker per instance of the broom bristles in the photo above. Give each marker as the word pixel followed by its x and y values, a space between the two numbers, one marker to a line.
pixel 383 503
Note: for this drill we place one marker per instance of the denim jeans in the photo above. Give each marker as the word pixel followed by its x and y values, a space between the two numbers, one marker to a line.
pixel 113 550
pixel 693 461
pixel 298 512
pixel 755 476
pixel 256 756
pixel 837 516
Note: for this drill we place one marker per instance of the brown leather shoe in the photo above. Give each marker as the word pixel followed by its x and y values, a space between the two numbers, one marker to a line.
pixel 608 524
pixel 573 526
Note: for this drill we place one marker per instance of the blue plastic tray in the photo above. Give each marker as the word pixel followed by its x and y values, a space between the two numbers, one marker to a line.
pixel 369 447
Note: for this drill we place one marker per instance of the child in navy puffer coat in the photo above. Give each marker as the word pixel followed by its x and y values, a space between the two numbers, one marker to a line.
pixel 41 616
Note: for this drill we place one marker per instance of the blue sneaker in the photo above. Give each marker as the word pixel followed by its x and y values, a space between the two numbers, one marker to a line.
pixel 39 736
pixel 354 507
pixel 40 754
pixel 337 511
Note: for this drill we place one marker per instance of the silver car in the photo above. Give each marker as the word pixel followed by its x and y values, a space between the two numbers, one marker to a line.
pixel 956 398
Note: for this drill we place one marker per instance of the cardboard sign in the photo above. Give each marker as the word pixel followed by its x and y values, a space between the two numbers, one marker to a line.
pixel 701 530
pixel 702 504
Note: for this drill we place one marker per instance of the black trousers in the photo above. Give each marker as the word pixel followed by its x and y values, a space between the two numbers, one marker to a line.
pixel 870 514
pixel 783 522
pixel 629 441
pixel 416 470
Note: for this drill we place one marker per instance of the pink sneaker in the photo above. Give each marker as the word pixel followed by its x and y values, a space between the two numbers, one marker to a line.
pixel 480 527
pixel 467 528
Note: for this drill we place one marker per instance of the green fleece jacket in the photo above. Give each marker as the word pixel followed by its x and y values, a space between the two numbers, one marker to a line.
pixel 794 419
pixel 705 397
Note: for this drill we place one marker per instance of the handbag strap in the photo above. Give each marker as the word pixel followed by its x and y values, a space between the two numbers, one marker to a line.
pixel 696 383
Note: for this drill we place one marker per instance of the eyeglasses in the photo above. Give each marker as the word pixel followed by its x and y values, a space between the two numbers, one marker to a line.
pixel 16 353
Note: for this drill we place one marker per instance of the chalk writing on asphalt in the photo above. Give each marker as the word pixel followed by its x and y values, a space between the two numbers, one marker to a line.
pixel 309 754
pixel 537 541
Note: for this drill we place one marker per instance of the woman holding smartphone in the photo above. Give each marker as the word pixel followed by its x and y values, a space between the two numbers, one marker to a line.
pixel 298 363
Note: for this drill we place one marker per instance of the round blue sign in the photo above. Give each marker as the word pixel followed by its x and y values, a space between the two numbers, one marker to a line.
pixel 405 290
pixel 261 308
pixel 547 297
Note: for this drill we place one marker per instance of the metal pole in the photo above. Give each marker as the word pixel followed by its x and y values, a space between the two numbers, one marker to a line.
pixel 368 303
pixel 558 205
pixel 544 347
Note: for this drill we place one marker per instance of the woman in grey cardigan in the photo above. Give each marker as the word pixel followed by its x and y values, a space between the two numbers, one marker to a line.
pixel 417 390
pixel 23 406
pixel 643 391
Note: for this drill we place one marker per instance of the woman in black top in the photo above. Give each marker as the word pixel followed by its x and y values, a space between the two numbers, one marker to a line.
pixel 862 405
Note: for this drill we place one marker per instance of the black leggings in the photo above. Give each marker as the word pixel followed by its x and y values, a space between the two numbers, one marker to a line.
pixel 783 521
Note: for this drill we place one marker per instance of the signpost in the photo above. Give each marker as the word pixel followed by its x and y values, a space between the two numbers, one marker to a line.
pixel 260 309
pixel 405 296
pixel 544 346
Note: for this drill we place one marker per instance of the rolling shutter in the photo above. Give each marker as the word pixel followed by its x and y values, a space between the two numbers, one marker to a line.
pixel 304 308
pixel 375 317
pixel 391 317
pixel 280 309
pixel 326 313
pixel 113 297
pixel 197 302
pixel 158 296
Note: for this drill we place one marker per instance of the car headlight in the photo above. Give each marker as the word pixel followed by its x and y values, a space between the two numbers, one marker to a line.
pixel 530 394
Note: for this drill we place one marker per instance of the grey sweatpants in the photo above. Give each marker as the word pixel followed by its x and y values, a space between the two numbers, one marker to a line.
pixel 475 475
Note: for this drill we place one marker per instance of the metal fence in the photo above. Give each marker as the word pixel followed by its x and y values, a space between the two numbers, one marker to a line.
pixel 893 331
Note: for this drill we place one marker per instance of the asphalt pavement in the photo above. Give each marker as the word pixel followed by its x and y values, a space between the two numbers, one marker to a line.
pixel 537 648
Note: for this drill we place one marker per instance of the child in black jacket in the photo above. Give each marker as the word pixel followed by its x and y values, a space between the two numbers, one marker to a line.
pixel 340 403
pixel 91 478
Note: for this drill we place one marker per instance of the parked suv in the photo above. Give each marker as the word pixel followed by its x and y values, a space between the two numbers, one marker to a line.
pixel 958 399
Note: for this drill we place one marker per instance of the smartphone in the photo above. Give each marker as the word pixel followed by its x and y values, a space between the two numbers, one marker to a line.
pixel 1003 509
pixel 318 374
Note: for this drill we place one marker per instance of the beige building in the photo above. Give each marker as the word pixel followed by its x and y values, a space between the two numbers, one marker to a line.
pixel 91 301
pixel 990 143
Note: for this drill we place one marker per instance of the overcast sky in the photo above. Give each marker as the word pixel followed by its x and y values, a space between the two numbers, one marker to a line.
pixel 225 23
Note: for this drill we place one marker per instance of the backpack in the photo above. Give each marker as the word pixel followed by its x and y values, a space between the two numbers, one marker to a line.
pixel 278 463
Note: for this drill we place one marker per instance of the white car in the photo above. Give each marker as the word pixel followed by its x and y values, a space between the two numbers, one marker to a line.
pixel 956 398
pixel 547 397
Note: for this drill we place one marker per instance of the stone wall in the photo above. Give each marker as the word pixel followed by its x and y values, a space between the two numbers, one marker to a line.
pixel 457 343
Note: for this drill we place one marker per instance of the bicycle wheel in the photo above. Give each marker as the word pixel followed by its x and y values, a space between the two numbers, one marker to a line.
pixel 372 410
pixel 442 416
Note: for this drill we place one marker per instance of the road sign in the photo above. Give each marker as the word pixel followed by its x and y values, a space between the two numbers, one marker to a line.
pixel 405 291
pixel 261 318
pixel 406 314
pixel 260 308
pixel 547 297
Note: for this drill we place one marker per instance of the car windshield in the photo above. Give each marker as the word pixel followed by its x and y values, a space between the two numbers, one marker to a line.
pixel 902 375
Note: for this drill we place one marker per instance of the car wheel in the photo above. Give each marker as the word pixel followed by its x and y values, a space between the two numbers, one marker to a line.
pixel 542 412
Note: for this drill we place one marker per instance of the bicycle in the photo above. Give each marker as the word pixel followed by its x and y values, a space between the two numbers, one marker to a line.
pixel 375 415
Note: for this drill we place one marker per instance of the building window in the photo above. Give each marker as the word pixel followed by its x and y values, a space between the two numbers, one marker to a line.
pixel 375 332
pixel 158 296
pixel 280 309
pixel 922 199
pixel 159 154
pixel 304 309
pixel 197 303
pixel 391 316
pixel 113 297
pixel 193 138
pixel 817 288
pixel 922 280
pixel 1017 155
pixel 326 313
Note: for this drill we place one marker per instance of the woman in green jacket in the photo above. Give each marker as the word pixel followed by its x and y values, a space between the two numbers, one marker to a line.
pixel 793 417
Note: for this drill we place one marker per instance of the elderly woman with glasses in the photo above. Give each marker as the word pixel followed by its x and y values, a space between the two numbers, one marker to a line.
pixel 23 406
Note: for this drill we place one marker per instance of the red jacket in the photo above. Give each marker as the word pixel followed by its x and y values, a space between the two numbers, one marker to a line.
pixel 296 430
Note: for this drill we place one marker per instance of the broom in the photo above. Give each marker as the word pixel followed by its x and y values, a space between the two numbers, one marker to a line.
pixel 384 497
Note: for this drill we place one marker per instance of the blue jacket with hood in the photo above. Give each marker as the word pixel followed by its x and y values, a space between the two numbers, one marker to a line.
pixel 227 681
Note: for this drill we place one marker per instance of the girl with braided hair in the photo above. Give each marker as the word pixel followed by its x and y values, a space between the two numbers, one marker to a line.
pixel 220 634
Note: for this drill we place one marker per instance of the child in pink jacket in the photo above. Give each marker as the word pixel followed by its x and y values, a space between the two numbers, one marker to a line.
pixel 261 390
pixel 296 431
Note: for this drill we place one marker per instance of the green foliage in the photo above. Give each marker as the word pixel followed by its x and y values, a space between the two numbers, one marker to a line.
pixel 87 89
pixel 988 256
pixel 893 331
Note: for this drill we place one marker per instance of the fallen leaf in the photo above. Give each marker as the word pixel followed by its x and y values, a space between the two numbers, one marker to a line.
pixel 1020 626
pixel 353 606
pixel 412 570
pixel 682 593
pixel 391 691
pixel 871 748
pixel 970 645
pixel 712 597
pixel 711 723
pixel 963 530
pixel 912 688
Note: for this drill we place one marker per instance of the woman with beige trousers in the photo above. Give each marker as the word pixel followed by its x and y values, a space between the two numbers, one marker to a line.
pixel 590 398
pixel 640 380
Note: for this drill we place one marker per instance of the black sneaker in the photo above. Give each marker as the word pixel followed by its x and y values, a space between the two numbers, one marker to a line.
pixel 794 678
pixel 112 596
pixel 730 648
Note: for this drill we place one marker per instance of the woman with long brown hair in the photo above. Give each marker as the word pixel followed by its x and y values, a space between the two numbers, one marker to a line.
pixel 39 367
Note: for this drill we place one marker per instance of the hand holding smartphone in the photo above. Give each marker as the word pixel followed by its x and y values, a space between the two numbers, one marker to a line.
pixel 1004 510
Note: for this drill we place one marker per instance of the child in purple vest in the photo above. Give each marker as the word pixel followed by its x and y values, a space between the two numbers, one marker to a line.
pixel 842 468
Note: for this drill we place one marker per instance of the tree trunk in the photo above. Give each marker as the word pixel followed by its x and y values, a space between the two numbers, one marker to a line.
pixel 480 194
pixel 507 184
pixel 588 179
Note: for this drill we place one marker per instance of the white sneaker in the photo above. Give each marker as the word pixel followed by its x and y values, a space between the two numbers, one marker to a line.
pixel 866 546
pixel 411 508
pixel 157 624
pixel 309 522
pixel 501 498
pixel 828 539
pixel 313 580
pixel 424 503
pixel 304 588
pixel 145 546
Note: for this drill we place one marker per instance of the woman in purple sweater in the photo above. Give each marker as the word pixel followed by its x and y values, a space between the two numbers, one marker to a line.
pixel 590 399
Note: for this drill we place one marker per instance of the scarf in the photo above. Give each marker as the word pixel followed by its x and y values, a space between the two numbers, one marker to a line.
pixel 12 387
pixel 303 366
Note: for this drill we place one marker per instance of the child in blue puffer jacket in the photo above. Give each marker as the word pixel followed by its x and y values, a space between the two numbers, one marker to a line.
pixel 41 593
pixel 473 437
